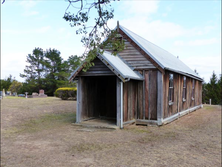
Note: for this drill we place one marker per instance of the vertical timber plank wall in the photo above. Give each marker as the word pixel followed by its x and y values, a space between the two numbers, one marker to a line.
pixel 152 95
pixel 175 93
pixel 98 97
pixel 130 102
pixel 140 98
pixel 147 115
pixel 178 103
pixel 166 96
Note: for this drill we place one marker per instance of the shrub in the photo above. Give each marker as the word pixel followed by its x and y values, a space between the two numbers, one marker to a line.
pixel 66 93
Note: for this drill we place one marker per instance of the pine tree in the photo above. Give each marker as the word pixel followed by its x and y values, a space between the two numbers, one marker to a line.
pixel 34 72
pixel 204 92
pixel 56 71
pixel 212 90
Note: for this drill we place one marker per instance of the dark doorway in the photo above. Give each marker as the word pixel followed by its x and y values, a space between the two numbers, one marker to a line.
pixel 99 97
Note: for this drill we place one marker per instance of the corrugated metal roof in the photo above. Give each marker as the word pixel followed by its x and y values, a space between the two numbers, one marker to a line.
pixel 119 67
pixel 162 57
pixel 116 65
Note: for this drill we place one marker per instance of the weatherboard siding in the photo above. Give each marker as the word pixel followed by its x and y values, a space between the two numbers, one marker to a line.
pixel 99 69
pixel 134 57
pixel 178 103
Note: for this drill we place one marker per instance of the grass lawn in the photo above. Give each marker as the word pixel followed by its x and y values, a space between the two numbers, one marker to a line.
pixel 39 132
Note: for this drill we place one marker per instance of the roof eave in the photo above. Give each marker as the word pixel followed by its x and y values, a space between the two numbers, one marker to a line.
pixel 121 76
pixel 186 74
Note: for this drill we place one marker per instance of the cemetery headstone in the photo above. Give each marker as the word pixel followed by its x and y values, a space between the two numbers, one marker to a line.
pixel 41 92
pixel 26 93
pixel 3 92
pixel 34 94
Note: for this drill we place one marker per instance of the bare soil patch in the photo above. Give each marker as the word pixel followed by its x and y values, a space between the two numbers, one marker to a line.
pixel 39 132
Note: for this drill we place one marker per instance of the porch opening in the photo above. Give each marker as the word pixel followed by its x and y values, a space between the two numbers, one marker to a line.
pixel 99 99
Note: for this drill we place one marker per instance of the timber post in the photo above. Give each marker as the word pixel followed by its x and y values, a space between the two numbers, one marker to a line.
pixel 159 98
pixel 118 102
pixel 79 101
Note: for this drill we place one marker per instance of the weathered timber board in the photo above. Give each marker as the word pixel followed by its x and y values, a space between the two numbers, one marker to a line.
pixel 140 100
pixel 133 56
pixel 125 102
pixel 178 103
pixel 153 95
pixel 147 95
pixel 99 69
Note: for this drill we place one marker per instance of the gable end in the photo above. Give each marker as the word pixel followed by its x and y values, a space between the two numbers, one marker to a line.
pixel 99 69
pixel 141 51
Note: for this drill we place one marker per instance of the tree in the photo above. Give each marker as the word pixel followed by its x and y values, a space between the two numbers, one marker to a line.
pixel 93 35
pixel 212 90
pixel 73 62
pixel 92 39
pixel 204 92
pixel 5 84
pixel 15 86
pixel 35 70
pixel 47 70
pixel 56 71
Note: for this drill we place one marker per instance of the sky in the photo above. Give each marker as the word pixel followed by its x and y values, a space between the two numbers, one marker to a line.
pixel 188 29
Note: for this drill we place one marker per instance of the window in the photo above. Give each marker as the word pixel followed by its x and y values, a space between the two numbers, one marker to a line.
pixel 184 88
pixel 193 88
pixel 170 89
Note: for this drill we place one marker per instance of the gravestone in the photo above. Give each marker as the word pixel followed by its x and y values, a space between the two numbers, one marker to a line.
pixel 37 95
pixel 26 93
pixel 34 94
pixel 3 92
pixel 41 92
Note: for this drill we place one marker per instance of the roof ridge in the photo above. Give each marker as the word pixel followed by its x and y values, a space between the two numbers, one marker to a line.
pixel 162 57
pixel 149 41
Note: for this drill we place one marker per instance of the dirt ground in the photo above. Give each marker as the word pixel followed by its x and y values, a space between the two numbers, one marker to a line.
pixel 39 132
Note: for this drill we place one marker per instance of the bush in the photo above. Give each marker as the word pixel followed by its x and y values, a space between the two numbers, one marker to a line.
pixel 66 93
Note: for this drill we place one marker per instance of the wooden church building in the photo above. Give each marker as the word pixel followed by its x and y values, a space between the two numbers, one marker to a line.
pixel 143 84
